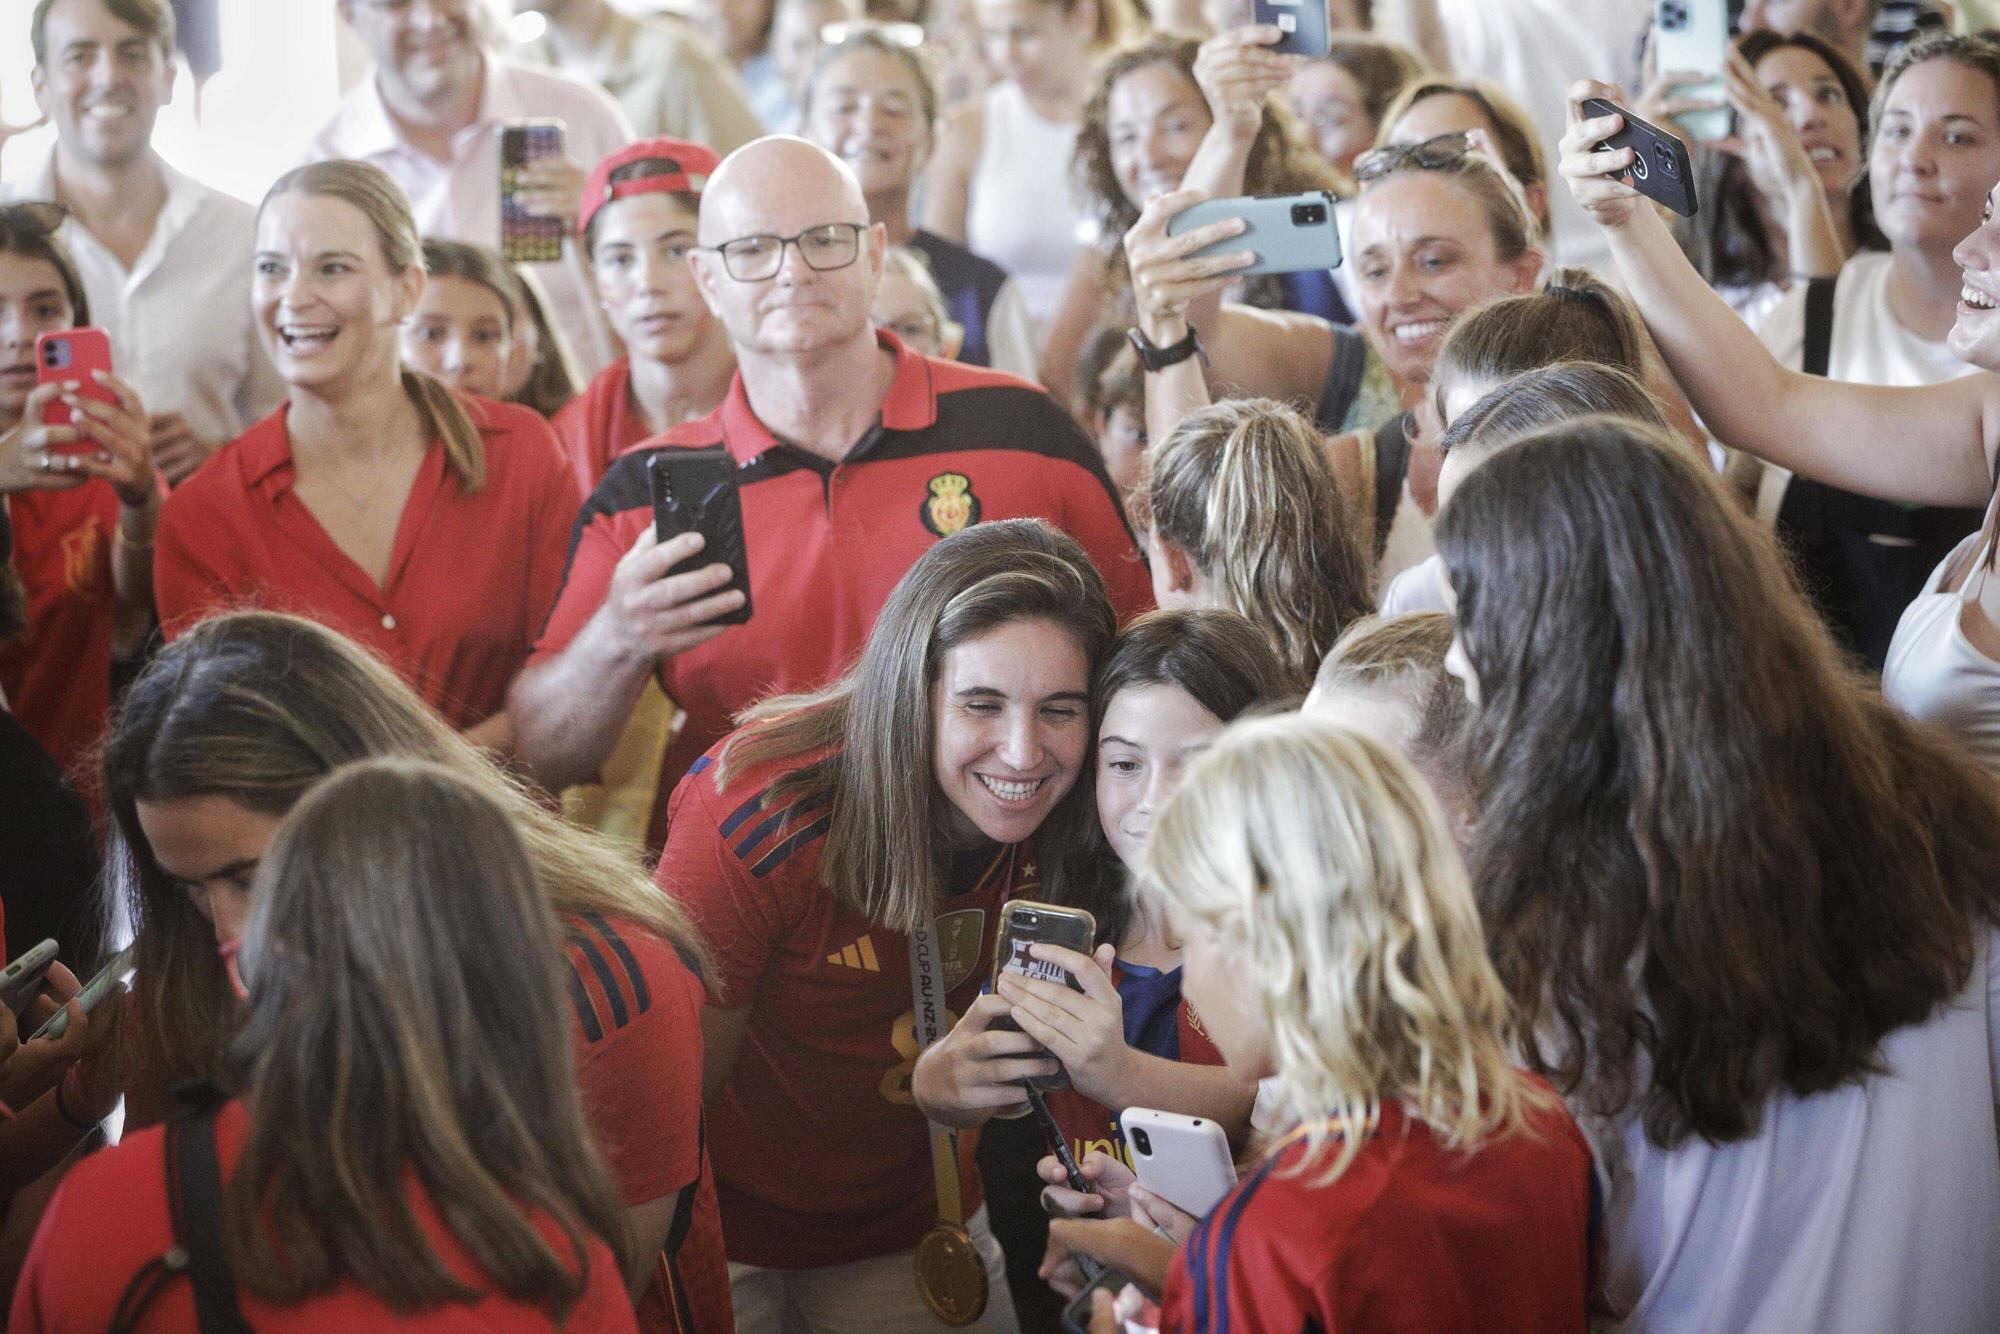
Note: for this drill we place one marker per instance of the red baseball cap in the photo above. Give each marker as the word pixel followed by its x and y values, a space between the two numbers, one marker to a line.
pixel 695 162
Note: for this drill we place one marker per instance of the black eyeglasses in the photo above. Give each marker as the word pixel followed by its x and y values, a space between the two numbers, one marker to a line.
pixel 829 246
pixel 1439 150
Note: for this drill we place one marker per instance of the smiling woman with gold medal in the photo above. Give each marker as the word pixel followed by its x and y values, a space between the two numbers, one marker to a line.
pixel 845 855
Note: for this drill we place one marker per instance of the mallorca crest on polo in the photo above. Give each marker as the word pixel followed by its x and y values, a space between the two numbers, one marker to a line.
pixel 951 504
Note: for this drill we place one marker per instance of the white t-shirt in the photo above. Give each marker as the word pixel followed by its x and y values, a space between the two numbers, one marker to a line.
pixel 1419 588
pixel 1870 1208
pixel 1535 49
pixel 1869 346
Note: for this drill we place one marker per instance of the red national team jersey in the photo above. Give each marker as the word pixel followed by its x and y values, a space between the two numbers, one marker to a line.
pixel 1411 1237
pixel 57 676
pixel 1089 1125
pixel 637 1002
pixel 471 578
pixel 821 1156
pixel 827 542
pixel 599 424
pixel 110 1219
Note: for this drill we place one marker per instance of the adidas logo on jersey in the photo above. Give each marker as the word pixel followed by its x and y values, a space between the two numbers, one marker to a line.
pixel 861 954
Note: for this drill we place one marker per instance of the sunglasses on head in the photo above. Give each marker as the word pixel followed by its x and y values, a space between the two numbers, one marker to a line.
pixel 1439 150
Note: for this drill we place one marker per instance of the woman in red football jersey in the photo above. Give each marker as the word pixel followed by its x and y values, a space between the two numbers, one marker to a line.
pixel 406 1145
pixel 216 742
pixel 1420 1180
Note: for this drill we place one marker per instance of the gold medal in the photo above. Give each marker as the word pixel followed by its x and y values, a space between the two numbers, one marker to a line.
pixel 951 1275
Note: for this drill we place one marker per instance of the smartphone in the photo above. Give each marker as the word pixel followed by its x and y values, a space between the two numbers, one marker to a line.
pixel 1286 233
pixel 1058 1143
pixel 1025 922
pixel 695 491
pixel 1076 1315
pixel 1302 21
pixel 23 977
pixel 93 992
pixel 527 238
pixel 1692 37
pixel 1185 1160
pixel 1661 169
pixel 72 354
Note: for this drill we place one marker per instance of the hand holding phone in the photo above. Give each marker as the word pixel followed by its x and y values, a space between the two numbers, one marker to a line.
pixel 1285 233
pixel 1133 1310
pixel 529 233
pixel 66 355
pixel 1661 168
pixel 1184 1160
pixel 93 993
pixel 22 980
pixel 1024 923
pixel 1303 23
pixel 1692 37
pixel 695 491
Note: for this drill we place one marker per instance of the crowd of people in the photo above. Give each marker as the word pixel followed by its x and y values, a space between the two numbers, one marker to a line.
pixel 1516 713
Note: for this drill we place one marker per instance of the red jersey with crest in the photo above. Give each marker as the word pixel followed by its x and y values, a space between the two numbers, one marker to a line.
pixel 57 676
pixel 827 542
pixel 1087 1123
pixel 821 1156
pixel 599 424
pixel 637 1002
pixel 1412 1238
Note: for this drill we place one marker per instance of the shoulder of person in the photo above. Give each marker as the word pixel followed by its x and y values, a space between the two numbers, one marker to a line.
pixel 749 812
pixel 622 970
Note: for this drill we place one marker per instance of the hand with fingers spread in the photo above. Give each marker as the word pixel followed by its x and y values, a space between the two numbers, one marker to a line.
pixel 975 1071
pixel 654 614
pixel 1085 1030
pixel 1164 279
pixel 123 433
pixel 1237 72
pixel 1111 1183
pixel 35 1066
pixel 1592 170
pixel 1766 140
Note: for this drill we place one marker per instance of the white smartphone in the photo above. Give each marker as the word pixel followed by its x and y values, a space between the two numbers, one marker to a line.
pixel 1692 37
pixel 93 991
pixel 1185 1160
pixel 23 977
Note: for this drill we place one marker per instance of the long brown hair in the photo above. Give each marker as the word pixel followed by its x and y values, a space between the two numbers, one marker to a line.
pixel 1715 866
pixel 1549 396
pixel 406 1020
pixel 257 707
pixel 866 740
pixel 368 188
pixel 1244 487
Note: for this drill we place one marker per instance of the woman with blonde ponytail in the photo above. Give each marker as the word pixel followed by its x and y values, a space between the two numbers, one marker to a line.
pixel 428 524
pixel 1241 510
pixel 1333 947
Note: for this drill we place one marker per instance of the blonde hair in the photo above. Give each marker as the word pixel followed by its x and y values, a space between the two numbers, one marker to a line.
pixel 1245 488
pixel 1576 316
pixel 368 188
pixel 1404 657
pixel 1324 861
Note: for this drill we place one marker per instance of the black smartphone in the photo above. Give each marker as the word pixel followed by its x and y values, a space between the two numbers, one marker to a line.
pixel 1661 168
pixel 1025 922
pixel 527 238
pixel 1076 1315
pixel 1302 21
pixel 694 491
pixel 1058 1143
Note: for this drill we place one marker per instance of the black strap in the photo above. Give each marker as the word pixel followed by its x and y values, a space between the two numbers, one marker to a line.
pixel 1392 465
pixel 194 1197
pixel 1343 380
pixel 1818 351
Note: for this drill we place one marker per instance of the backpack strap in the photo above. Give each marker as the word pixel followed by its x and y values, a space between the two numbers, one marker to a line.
pixel 1392 465
pixel 1343 380
pixel 1818 350
pixel 194 1198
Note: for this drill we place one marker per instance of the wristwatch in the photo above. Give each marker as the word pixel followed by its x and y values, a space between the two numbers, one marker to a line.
pixel 1159 358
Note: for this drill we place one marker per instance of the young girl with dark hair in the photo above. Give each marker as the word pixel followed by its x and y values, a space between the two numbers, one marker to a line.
pixel 406 1143
pixel 222 736
pixel 1745 909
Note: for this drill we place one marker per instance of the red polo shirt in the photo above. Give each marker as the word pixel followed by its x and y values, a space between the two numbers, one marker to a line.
pixel 110 1220
pixel 599 424
pixel 57 676
pixel 827 542
pixel 471 579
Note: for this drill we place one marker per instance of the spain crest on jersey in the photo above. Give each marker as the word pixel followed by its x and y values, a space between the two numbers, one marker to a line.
pixel 951 505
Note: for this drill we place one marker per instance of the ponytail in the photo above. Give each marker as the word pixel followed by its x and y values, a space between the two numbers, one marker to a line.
pixel 1245 488
pixel 445 416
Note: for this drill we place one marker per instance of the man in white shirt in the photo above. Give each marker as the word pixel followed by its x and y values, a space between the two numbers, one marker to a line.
pixel 165 260
pixel 430 114
pixel 666 78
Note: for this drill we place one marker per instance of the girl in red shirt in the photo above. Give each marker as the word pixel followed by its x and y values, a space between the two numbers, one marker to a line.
pixel 430 526
pixel 407 1146
pixel 216 742
pixel 638 225
pixel 1333 943
pixel 83 523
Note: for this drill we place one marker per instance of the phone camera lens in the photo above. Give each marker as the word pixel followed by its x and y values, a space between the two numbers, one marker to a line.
pixel 1308 215
pixel 51 355
pixel 1673 16
pixel 1666 156
pixel 1142 1142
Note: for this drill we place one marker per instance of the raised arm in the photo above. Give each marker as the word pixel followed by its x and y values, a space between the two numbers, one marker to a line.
pixel 1929 445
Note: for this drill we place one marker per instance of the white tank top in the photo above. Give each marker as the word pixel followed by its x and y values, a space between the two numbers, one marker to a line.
pixel 1934 673
pixel 1021 214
